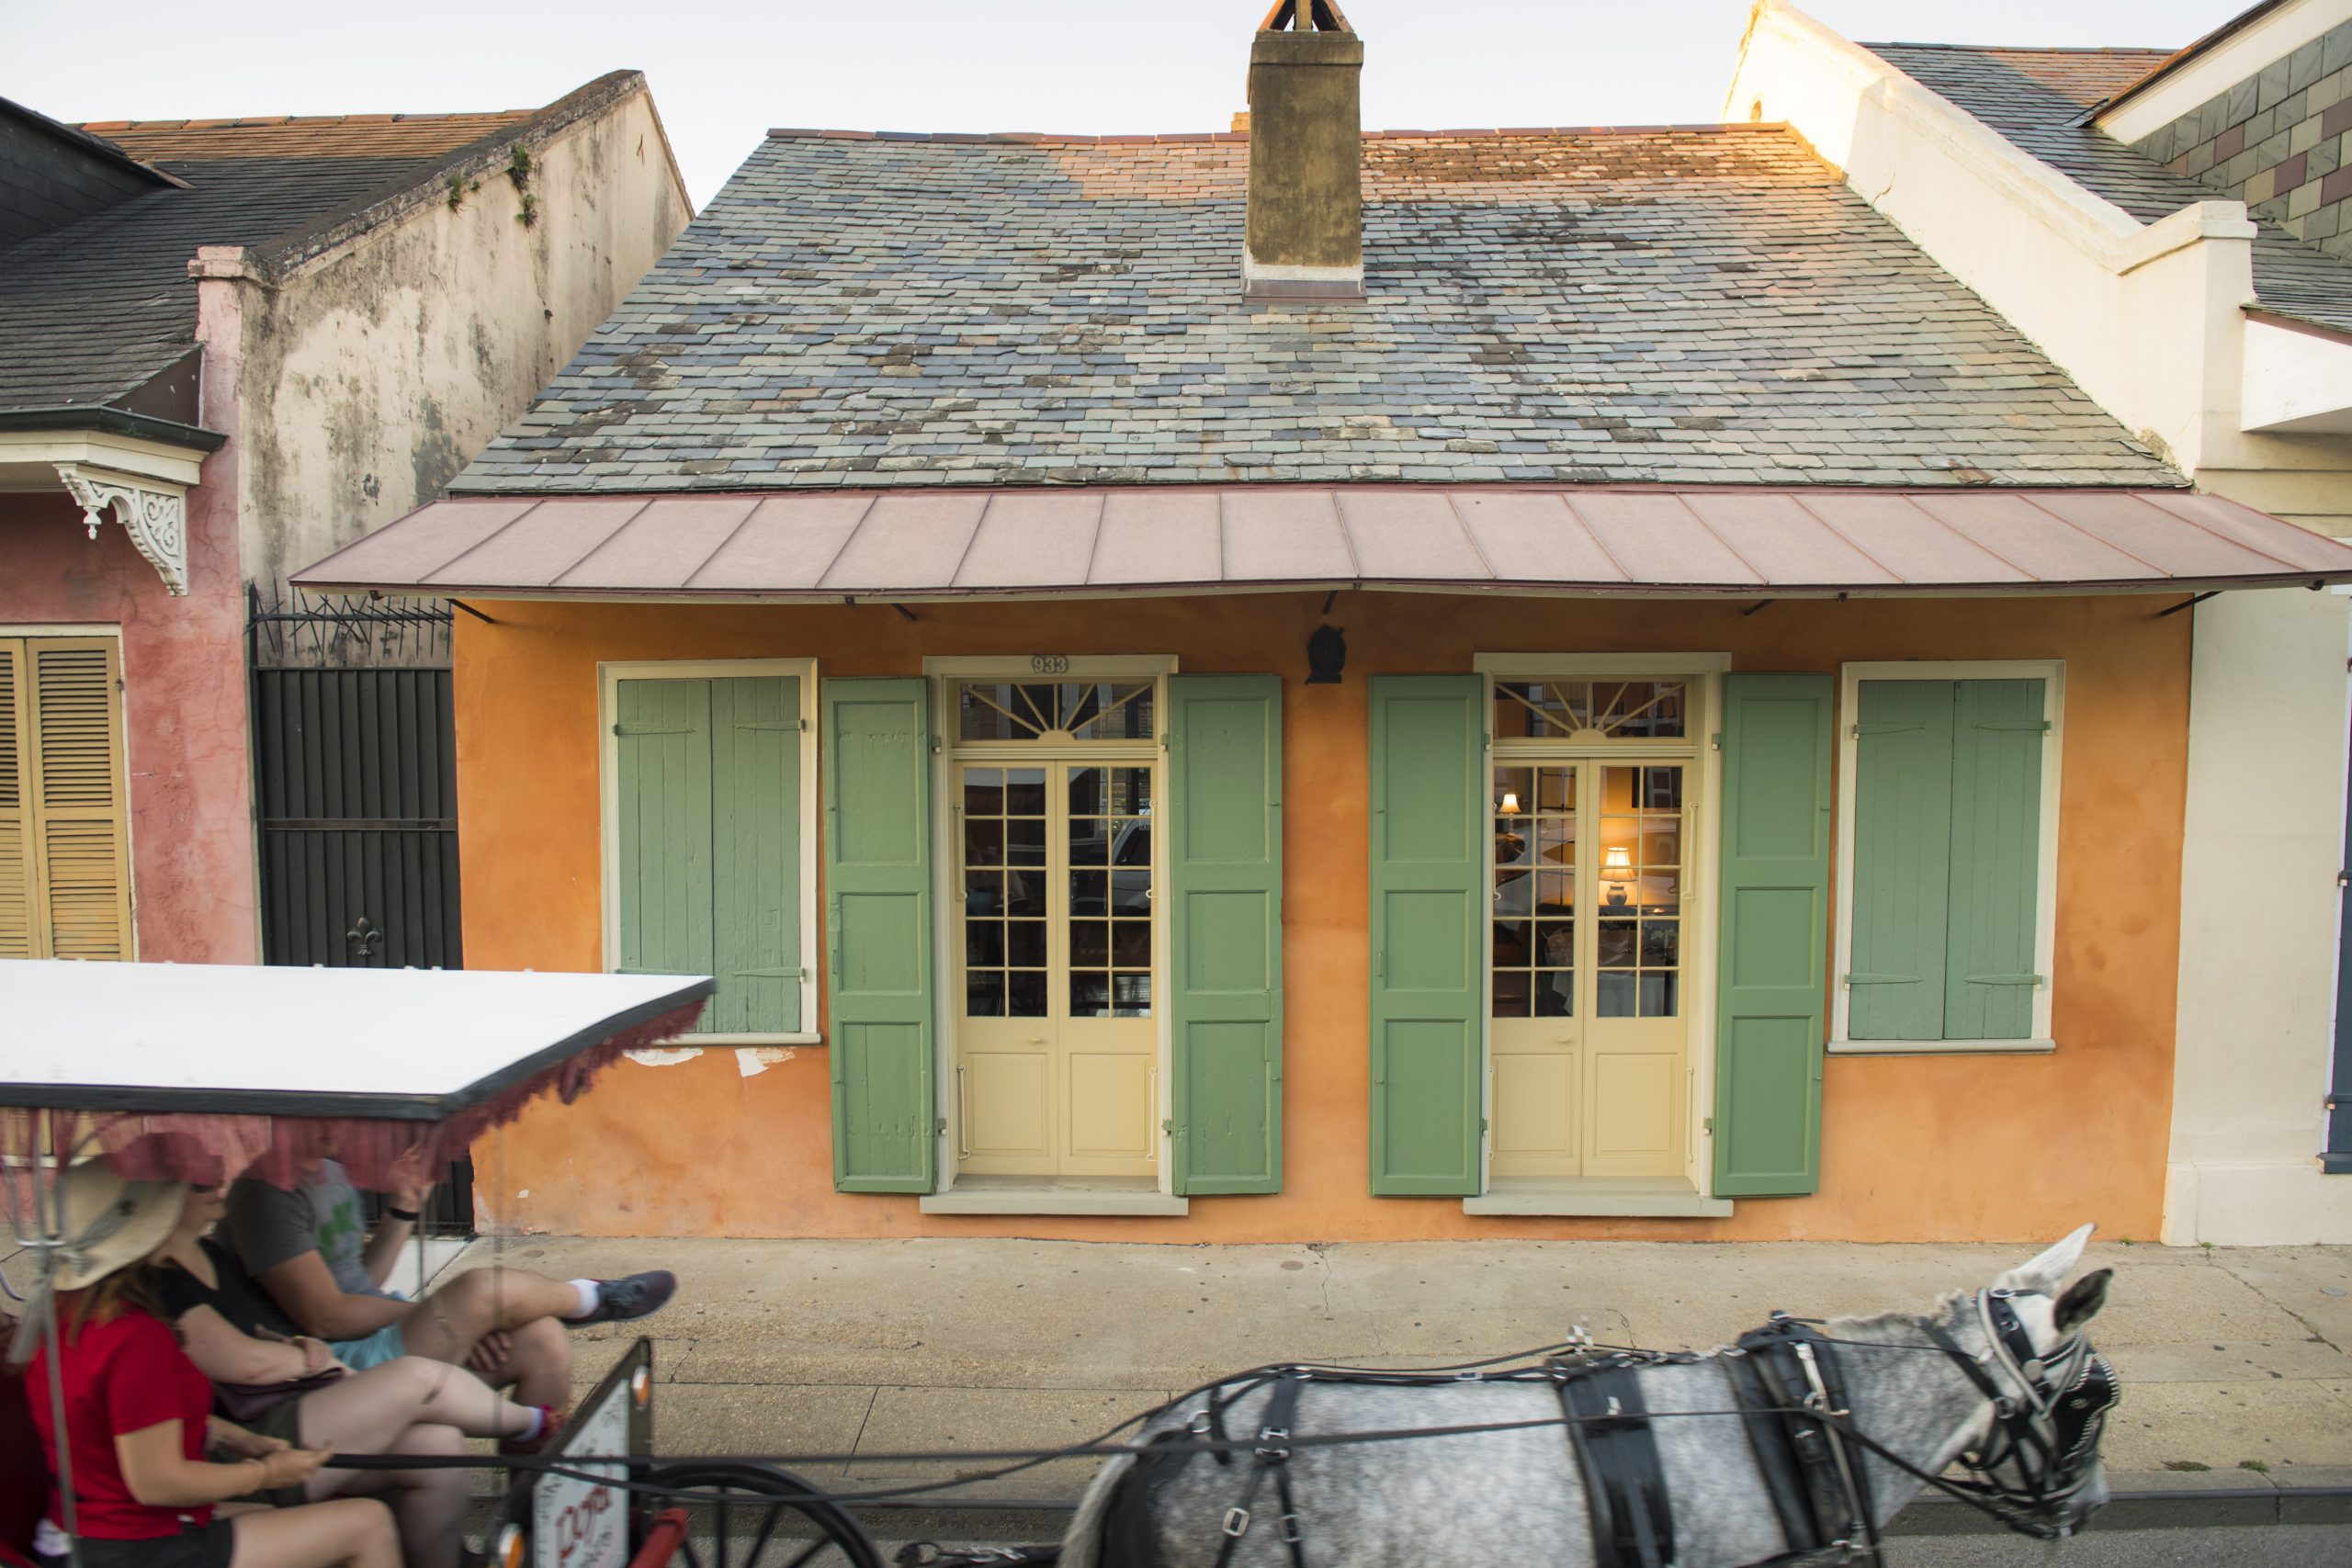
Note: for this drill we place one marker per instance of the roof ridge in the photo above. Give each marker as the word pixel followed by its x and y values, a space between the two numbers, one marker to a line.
pixel 255 122
pixel 1080 138
pixel 2025 48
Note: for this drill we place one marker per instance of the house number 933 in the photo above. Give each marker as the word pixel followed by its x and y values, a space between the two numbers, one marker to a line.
pixel 1050 664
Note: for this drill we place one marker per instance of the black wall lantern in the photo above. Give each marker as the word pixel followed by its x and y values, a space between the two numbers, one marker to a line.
pixel 1327 655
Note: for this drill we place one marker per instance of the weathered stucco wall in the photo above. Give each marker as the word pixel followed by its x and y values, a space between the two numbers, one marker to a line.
pixel 2259 900
pixel 184 705
pixel 373 374
pixel 1944 1147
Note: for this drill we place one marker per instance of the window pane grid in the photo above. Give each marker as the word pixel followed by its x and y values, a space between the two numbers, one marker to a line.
pixel 1110 892
pixel 1616 710
pixel 1639 957
pixel 1533 972
pixel 1065 710
pixel 1004 892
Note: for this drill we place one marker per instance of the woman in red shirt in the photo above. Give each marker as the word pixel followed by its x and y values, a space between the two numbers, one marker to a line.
pixel 138 1424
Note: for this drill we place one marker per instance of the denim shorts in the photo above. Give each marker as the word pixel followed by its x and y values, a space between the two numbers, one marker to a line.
pixel 373 1349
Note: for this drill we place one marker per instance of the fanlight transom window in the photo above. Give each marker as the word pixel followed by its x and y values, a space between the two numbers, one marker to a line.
pixel 1612 710
pixel 1056 711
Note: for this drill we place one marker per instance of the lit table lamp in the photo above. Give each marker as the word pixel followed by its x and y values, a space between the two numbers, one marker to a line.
pixel 1617 869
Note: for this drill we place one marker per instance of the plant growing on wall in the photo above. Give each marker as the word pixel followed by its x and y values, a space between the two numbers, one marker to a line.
pixel 461 188
pixel 519 169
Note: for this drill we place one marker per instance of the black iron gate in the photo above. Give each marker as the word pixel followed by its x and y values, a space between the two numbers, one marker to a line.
pixel 354 761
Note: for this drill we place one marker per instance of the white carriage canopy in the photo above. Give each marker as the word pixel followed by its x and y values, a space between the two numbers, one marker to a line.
pixel 245 1069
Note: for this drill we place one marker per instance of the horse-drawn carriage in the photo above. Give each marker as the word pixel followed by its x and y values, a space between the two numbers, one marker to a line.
pixel 1794 1445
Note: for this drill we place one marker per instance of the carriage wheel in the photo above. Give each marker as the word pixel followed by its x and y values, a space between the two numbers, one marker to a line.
pixel 767 1494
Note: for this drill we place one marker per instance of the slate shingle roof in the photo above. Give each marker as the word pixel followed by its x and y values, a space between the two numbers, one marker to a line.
pixel 1690 305
pixel 2030 96
pixel 91 312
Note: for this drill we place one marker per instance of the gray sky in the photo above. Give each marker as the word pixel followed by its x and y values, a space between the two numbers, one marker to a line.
pixel 723 70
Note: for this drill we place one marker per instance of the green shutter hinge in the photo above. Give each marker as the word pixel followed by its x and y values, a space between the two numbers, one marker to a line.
pixel 1717 741
pixel 936 746
pixel 940 1130
pixel 1708 1126
pixel 1482 1126
pixel 2003 979
pixel 1168 1125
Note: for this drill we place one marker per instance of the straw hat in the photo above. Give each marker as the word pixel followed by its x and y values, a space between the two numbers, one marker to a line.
pixel 111 1224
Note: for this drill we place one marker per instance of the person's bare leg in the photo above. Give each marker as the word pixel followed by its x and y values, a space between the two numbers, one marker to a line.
pixel 368 1412
pixel 356 1531
pixel 538 1364
pixel 447 1324
pixel 429 1505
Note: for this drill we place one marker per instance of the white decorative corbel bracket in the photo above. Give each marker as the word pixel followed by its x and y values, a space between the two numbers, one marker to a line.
pixel 152 512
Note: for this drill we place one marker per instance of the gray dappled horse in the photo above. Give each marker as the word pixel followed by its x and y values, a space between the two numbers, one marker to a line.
pixel 2001 1380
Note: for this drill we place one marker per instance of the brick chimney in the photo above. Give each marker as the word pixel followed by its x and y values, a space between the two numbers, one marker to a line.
pixel 1305 239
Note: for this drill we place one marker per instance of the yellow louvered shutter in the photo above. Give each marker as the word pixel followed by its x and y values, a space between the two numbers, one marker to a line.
pixel 80 860
pixel 15 806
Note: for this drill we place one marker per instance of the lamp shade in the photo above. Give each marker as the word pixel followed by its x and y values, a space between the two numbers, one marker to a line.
pixel 1509 808
pixel 1617 863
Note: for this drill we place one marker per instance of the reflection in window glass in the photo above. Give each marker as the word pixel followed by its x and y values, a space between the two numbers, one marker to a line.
pixel 1110 892
pixel 1003 875
pixel 1068 710
pixel 1533 973
pixel 1616 710
pixel 1640 957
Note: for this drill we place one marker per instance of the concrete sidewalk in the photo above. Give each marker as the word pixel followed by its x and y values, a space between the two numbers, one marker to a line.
pixel 2230 1359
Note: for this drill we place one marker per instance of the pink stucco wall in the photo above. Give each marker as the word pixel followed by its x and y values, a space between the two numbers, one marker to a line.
pixel 184 704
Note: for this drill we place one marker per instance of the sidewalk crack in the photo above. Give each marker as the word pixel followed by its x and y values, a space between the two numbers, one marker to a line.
pixel 858 1443
pixel 2308 1326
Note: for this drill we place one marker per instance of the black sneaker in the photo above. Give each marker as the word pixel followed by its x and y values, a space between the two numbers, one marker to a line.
pixel 637 1295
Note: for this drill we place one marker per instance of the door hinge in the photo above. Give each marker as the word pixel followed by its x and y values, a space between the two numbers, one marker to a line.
pixel 1482 1126
pixel 1717 741
pixel 1708 1126
pixel 940 1130
pixel 1168 1125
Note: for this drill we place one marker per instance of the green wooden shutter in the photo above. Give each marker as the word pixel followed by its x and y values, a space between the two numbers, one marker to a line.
pixel 709 867
pixel 1428 789
pixel 663 782
pixel 1996 860
pixel 1775 933
pixel 755 743
pixel 1902 860
pixel 1225 874
pixel 877 761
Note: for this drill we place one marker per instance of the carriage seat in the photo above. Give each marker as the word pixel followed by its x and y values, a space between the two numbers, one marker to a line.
pixel 24 1475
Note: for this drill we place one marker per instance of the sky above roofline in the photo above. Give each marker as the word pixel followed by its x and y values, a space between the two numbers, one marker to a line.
pixel 1057 65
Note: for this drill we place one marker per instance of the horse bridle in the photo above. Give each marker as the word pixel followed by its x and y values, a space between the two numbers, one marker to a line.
pixel 2043 1444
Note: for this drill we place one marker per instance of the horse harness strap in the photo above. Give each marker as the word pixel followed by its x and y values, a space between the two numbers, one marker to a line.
pixel 1609 1427
pixel 1786 1379
pixel 1270 1457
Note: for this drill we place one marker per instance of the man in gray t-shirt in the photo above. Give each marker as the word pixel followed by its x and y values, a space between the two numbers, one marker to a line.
pixel 312 1251
pixel 265 1226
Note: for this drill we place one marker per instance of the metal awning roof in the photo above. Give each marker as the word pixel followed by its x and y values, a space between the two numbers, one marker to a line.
pixel 933 544
pixel 400 1045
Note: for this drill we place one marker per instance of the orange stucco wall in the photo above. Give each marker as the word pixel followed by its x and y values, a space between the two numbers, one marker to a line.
pixel 1945 1149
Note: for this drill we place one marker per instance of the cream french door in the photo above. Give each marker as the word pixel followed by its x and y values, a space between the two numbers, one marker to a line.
pixel 1588 1036
pixel 1057 1047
